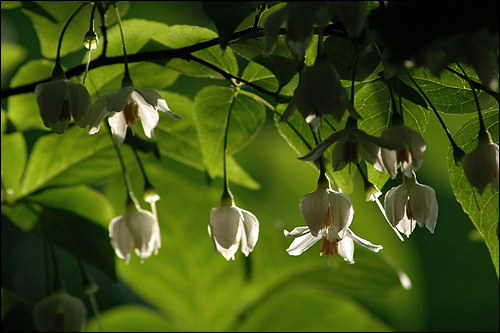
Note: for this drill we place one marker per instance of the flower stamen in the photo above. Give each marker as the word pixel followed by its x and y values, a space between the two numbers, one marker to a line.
pixel 131 113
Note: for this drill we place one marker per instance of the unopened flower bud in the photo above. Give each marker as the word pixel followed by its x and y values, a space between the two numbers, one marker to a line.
pixel 60 312
pixel 91 41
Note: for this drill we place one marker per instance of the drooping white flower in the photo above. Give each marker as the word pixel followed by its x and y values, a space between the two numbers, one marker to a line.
pixel 60 99
pixel 481 165
pixel 409 204
pixel 326 208
pixel 299 18
pixel 60 312
pixel 230 225
pixel 350 143
pixel 410 157
pixel 125 107
pixel 321 93
pixel 330 242
pixel 137 229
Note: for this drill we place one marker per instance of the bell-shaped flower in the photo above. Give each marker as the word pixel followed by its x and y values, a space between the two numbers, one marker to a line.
pixel 137 229
pixel 331 243
pixel 230 225
pixel 481 165
pixel 350 143
pixel 125 107
pixel 321 93
pixel 352 15
pixel 409 204
pixel 299 18
pixel 325 209
pixel 410 157
pixel 60 99
pixel 60 312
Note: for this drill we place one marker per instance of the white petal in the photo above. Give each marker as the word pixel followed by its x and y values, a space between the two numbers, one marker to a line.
pixel 364 242
pixel 345 248
pixel 342 211
pixel 314 209
pixel 302 243
pixel 394 204
pixel 481 166
pixel 50 97
pixel 251 232
pixel 141 224
pixel 389 159
pixel 297 232
pixel 118 127
pixel 148 114
pixel 121 238
pixel 155 99
pixel 225 224
pixel 406 226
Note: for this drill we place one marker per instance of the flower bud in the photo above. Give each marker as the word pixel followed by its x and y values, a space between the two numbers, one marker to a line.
pixel 60 312
pixel 91 40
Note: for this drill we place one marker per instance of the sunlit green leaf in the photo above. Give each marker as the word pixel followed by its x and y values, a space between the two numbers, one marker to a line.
pixel 484 214
pixel 212 106
pixel 13 163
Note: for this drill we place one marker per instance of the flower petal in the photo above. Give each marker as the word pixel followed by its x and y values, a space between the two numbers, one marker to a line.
pixel 155 99
pixel 364 242
pixel 341 210
pixel 314 209
pixel 121 238
pixel 302 243
pixel 141 224
pixel 79 100
pixel 394 204
pixel 118 127
pixel 345 248
pixel 251 232
pixel 224 225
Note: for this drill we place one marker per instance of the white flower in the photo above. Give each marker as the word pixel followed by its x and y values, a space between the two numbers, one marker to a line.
pixel 411 202
pixel 481 166
pixel 410 157
pixel 326 208
pixel 299 18
pixel 60 312
pixel 228 226
pixel 350 143
pixel 136 229
pixel 330 242
pixel 60 99
pixel 127 105
pixel 321 93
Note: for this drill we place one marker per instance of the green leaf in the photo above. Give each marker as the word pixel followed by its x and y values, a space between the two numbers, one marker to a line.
pixel 79 236
pixel 49 32
pixel 264 78
pixel 356 291
pixel 70 158
pixel 12 55
pixel 180 36
pixel 227 16
pixel 484 214
pixel 212 105
pixel 9 300
pixel 450 93
pixel 341 52
pixel 145 75
pixel 37 9
pixel 179 140
pixel 130 318
pixel 281 63
pixel 78 200
pixel 13 162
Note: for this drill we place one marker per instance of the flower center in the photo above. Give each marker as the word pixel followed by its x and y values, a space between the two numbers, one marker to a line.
pixel 328 218
pixel 351 149
pixel 65 114
pixel 328 248
pixel 131 113
pixel 409 213
pixel 403 155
